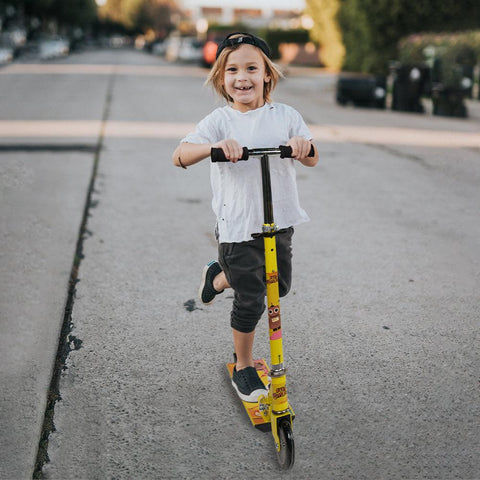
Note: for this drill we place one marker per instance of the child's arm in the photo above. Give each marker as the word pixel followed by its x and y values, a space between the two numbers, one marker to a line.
pixel 187 154
pixel 300 150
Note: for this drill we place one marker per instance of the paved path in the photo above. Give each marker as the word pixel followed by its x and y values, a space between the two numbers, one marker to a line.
pixel 381 326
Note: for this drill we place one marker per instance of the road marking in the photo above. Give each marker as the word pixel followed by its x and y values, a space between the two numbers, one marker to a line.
pixel 148 129
pixel 92 128
pixel 87 69
pixel 46 128
pixel 177 130
pixel 395 136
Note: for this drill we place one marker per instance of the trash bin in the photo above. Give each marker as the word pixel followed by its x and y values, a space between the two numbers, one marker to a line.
pixel 448 102
pixel 449 89
pixel 410 82
pixel 361 90
pixel 466 59
pixel 478 84
pixel 467 80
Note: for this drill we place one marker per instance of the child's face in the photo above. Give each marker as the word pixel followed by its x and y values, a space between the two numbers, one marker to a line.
pixel 244 78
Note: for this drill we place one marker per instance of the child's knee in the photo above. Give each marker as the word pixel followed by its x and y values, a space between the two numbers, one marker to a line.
pixel 245 319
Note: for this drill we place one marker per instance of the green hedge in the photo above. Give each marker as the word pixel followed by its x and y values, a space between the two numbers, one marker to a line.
pixel 275 37
pixel 371 29
pixel 450 55
pixel 462 48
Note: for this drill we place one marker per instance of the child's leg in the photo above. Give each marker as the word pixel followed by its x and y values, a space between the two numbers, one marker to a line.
pixel 243 343
pixel 220 282
pixel 213 282
pixel 243 268
pixel 245 378
pixel 243 264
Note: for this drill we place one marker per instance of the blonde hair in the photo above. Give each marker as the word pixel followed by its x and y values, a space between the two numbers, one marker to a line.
pixel 217 73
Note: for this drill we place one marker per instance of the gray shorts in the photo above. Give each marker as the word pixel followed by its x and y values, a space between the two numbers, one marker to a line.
pixel 244 267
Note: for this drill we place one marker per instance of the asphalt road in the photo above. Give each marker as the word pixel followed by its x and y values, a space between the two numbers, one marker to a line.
pixel 380 329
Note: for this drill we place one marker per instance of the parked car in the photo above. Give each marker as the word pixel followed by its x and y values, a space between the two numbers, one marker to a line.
pixel 159 47
pixel 18 36
pixel 6 54
pixel 182 49
pixel 53 47
pixel 361 90
pixel 190 50
pixel 13 40
pixel 120 41
pixel 8 48
pixel 209 52
pixel 172 48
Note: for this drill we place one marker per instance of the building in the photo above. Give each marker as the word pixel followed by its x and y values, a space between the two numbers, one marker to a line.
pixel 254 13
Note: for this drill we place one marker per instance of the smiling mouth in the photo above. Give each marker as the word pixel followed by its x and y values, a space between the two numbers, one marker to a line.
pixel 243 89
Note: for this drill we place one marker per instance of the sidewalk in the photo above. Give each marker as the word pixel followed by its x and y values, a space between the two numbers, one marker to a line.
pixel 44 182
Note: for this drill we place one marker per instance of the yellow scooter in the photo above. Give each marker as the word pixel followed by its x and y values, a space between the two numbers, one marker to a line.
pixel 272 412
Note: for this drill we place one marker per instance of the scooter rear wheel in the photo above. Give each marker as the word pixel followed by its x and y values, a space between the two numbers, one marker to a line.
pixel 286 454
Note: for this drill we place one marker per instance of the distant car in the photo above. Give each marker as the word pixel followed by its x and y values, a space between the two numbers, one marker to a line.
pixel 18 36
pixel 53 47
pixel 120 41
pixel 8 48
pixel 6 54
pixel 158 47
pixel 190 50
pixel 210 52
pixel 172 47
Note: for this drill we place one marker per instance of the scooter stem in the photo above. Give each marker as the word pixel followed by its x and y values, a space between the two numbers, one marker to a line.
pixel 278 387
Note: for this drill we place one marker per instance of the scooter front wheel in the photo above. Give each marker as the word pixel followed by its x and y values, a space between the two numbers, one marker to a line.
pixel 286 453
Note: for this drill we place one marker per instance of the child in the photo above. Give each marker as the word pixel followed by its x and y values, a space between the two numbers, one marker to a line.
pixel 245 76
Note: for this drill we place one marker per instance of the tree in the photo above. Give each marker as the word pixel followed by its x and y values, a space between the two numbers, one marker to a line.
pixel 157 15
pixel 26 8
pixel 64 14
pixel 326 31
pixel 72 13
pixel 113 11
pixel 140 14
pixel 372 28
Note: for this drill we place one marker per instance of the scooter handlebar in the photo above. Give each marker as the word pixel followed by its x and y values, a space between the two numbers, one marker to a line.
pixel 285 151
pixel 217 155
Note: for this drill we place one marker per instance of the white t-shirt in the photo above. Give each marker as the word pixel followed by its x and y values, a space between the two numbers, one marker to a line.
pixel 237 187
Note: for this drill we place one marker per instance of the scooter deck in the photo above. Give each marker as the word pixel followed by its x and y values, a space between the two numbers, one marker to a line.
pixel 251 408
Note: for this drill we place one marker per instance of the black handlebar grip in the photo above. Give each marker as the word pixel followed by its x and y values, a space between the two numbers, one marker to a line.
pixel 217 155
pixel 286 151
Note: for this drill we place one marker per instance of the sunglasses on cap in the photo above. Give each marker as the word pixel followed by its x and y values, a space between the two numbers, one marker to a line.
pixel 247 38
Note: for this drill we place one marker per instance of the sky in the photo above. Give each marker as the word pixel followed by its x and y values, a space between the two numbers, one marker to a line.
pixel 277 4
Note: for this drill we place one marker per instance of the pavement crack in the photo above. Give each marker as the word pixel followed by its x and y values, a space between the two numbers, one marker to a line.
pixel 50 148
pixel 398 153
pixel 68 342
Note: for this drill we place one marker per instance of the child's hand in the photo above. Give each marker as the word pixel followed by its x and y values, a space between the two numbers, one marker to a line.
pixel 231 148
pixel 300 147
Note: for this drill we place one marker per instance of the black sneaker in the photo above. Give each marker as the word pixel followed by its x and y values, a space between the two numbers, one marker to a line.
pixel 206 292
pixel 248 385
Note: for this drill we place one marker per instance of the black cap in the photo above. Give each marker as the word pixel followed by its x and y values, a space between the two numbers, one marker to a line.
pixel 247 38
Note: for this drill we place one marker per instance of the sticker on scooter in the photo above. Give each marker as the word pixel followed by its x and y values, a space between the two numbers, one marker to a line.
pixel 272 278
pixel 274 322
